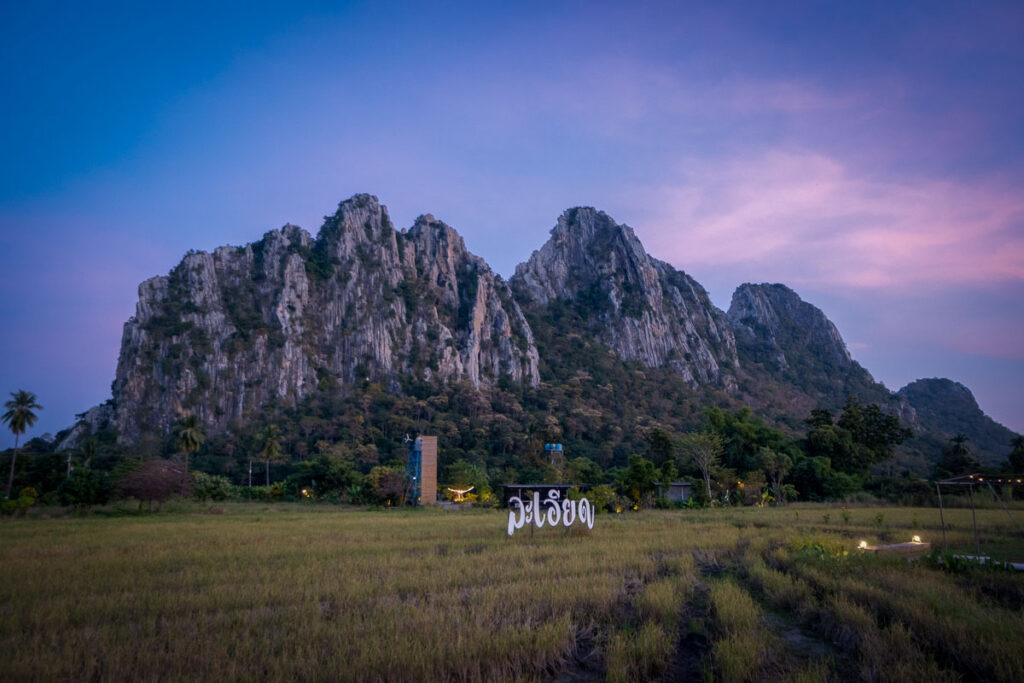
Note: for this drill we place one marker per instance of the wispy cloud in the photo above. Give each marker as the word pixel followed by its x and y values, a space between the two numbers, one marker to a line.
pixel 808 219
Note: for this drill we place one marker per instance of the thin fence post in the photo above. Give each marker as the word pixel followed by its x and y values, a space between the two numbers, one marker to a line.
pixel 942 517
pixel 974 517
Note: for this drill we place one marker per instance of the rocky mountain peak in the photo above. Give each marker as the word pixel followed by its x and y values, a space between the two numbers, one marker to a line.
pixel 359 219
pixel 585 247
pixel 947 390
pixel 279 319
pixel 644 309
pixel 227 334
pixel 775 325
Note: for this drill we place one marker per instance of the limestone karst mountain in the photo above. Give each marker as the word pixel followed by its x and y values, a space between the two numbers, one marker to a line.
pixel 790 350
pixel 275 322
pixel 642 308
pixel 227 332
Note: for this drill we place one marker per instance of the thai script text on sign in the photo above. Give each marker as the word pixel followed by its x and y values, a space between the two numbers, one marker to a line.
pixel 550 511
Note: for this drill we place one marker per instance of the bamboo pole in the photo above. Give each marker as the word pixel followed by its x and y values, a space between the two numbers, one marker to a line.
pixel 942 518
pixel 974 517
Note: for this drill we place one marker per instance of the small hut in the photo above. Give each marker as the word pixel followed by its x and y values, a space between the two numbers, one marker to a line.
pixel 676 491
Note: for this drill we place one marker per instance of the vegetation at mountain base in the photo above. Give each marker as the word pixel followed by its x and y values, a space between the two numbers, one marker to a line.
pixel 346 445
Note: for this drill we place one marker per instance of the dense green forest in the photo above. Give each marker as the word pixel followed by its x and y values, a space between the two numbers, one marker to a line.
pixel 346 444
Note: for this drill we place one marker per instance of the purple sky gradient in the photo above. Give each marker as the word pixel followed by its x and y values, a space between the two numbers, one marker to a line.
pixel 870 156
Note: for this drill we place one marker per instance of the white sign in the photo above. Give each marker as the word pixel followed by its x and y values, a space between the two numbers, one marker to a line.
pixel 550 512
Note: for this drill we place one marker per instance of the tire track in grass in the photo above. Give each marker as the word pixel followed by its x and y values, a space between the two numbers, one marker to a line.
pixel 693 647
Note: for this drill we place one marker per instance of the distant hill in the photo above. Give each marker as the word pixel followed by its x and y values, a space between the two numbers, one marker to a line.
pixel 945 408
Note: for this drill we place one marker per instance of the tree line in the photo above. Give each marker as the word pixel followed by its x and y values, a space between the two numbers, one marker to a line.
pixel 348 447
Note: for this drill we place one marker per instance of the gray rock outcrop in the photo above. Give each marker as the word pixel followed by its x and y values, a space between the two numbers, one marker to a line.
pixel 642 308
pixel 226 333
pixel 775 326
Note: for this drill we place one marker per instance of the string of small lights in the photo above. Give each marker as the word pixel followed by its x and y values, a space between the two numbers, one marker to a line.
pixel 989 479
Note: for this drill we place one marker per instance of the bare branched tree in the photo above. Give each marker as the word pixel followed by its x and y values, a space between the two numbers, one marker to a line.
pixel 703 449
pixel 156 480
pixel 776 466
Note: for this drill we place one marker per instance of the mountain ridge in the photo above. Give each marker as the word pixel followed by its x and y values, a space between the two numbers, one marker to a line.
pixel 232 331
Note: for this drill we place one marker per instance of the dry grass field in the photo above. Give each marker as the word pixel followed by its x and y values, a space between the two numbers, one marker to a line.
pixel 323 593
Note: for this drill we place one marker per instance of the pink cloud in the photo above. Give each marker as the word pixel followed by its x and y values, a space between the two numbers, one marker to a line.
pixel 807 219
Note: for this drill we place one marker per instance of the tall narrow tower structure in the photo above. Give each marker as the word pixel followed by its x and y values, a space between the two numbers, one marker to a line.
pixel 421 471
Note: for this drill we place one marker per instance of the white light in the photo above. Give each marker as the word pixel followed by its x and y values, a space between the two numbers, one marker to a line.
pixel 916 539
pixel 863 544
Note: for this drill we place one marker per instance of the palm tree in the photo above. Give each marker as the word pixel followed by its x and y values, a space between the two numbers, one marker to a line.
pixel 190 436
pixel 271 448
pixel 19 416
pixel 956 459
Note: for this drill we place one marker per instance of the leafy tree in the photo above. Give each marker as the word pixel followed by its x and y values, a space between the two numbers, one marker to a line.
pixel 387 484
pixel 809 475
pixel 583 471
pixel 862 436
pixel 836 444
pixel 638 479
pixel 956 459
pixel 839 485
pixel 660 446
pixel 211 486
pixel 820 418
pixel 271 451
pixel 460 474
pixel 743 436
pixel 324 475
pixel 601 497
pixel 89 449
pixel 19 416
pixel 703 450
pixel 190 436
pixel 776 466
pixel 871 428
pixel 84 488
pixel 668 472
pixel 1015 461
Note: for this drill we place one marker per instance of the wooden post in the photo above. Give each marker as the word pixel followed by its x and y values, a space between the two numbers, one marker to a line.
pixel 942 518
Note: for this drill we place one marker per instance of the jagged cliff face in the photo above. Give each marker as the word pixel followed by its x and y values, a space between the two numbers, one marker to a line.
pixel 642 308
pixel 776 327
pixel 227 332
pixel 793 357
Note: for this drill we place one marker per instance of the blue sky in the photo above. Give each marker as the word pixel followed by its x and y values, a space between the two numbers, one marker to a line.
pixel 867 154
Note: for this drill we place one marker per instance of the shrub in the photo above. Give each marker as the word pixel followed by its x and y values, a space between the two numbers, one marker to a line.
pixel 601 496
pixel 21 504
pixel 211 487
pixel 85 488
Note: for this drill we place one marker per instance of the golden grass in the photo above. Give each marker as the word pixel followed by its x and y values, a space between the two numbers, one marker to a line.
pixel 271 593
